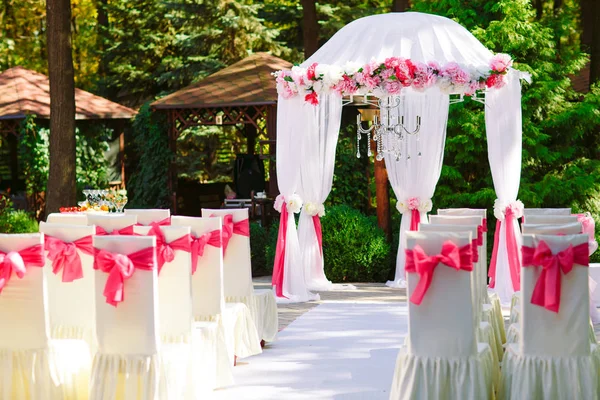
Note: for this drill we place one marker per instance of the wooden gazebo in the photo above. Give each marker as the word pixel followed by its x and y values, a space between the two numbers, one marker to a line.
pixel 24 92
pixel 243 93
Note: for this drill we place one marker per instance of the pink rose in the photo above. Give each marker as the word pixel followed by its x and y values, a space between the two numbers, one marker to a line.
pixel 413 203
pixel 360 78
pixel 392 62
pixel 372 82
pixel 312 98
pixel 495 81
pixel 370 68
pixel 346 86
pixel 392 87
pixel 386 73
pixel 405 71
pixel 500 62
pixel 310 72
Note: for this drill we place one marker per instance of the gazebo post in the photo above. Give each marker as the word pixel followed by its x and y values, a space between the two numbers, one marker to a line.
pixel 272 135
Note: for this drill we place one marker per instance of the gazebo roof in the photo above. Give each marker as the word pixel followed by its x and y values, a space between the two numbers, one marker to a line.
pixel 247 82
pixel 23 92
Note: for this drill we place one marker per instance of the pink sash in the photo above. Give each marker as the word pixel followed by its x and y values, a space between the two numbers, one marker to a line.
pixel 512 249
pixel 199 243
pixel 415 219
pixel 318 231
pixel 19 261
pixel 121 267
pixel 417 261
pixel 278 265
pixel 65 257
pixel 546 292
pixel 231 228
pixel 165 252
pixel 128 230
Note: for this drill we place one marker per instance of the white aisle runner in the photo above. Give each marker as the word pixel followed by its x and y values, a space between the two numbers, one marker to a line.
pixel 337 350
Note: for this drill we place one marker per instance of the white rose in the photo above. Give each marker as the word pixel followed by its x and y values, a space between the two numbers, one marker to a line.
pixel 294 204
pixel 499 207
pixel 310 209
pixel 351 67
pixel 321 210
pixel 425 205
pixel 321 70
pixel 319 87
pixel 402 207
pixel 334 75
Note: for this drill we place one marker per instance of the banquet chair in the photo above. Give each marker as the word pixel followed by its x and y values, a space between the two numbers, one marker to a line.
pixel 67 218
pixel 553 358
pixel 148 216
pixel 127 363
pixel 28 367
pixel 484 330
pixel 71 303
pixel 546 211
pixel 550 219
pixel 113 224
pixel 444 366
pixel 237 272
pixel 208 299
pixel 193 367
pixel 491 312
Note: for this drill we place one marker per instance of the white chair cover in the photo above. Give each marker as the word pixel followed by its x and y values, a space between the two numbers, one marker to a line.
pixel 238 279
pixel 444 366
pixel 110 222
pixel 554 358
pixel 550 219
pixel 72 313
pixel 68 218
pixel 546 211
pixel 148 216
pixel 27 365
pixel 127 364
pixel 208 298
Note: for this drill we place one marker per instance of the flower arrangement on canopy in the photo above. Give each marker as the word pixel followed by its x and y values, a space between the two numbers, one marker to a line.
pixel 389 78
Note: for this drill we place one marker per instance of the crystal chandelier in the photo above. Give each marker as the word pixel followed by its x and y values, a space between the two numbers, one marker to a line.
pixel 388 131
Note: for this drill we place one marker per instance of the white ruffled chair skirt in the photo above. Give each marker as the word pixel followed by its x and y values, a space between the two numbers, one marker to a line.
pixel 550 378
pixel 241 332
pixel 211 362
pixel 29 374
pixel 469 378
pixel 116 376
pixel 263 307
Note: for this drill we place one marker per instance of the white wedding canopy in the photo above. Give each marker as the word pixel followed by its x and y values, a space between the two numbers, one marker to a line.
pixel 307 133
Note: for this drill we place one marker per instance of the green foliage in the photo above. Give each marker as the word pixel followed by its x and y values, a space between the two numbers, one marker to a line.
pixel 148 185
pixel 12 221
pixel 258 244
pixel 33 152
pixel 92 167
pixel 354 247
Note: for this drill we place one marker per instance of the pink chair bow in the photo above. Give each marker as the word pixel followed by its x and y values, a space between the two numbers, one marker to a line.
pixel 199 243
pixel 128 230
pixel 64 256
pixel 417 261
pixel 18 261
pixel 231 228
pixel 163 222
pixel 119 268
pixel 546 292
pixel 165 252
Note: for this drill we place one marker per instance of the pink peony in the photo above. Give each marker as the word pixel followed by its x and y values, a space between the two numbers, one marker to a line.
pixel 413 203
pixel 455 73
pixel 495 81
pixel 310 72
pixel 405 71
pixel 370 68
pixel 386 73
pixel 473 87
pixel 372 82
pixel 360 78
pixel 312 98
pixel 346 85
pixel 435 67
pixel 500 62
pixel 392 62
pixel 424 77
pixel 392 87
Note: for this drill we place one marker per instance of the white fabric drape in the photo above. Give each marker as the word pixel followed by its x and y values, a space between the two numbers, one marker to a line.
pixel 418 176
pixel 292 117
pixel 504 137
pixel 316 179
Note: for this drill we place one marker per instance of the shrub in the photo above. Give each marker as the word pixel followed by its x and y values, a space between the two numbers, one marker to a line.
pixel 17 222
pixel 258 245
pixel 355 248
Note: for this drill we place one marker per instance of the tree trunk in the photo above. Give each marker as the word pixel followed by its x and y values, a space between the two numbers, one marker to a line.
pixel 587 24
pixel 61 190
pixel 539 9
pixel 382 192
pixel 400 5
pixel 102 33
pixel 595 50
pixel 310 27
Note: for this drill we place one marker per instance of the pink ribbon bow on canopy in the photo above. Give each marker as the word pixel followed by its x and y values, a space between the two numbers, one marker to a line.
pixel 278 265
pixel 417 261
pixel 18 261
pixel 119 268
pixel 231 228
pixel 64 256
pixel 128 230
pixel 199 243
pixel 165 252
pixel 415 219
pixel 512 250
pixel 318 231
pixel 546 292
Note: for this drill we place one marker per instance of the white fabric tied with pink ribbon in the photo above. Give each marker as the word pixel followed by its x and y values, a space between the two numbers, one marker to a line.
pixel 505 264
